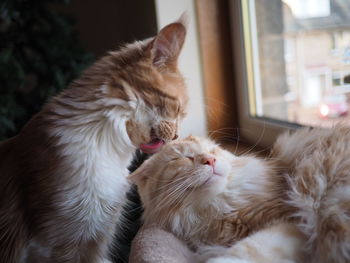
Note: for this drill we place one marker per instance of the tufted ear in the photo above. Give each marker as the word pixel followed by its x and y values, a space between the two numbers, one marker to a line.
pixel 167 45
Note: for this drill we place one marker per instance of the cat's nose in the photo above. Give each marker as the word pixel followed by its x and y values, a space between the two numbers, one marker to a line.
pixel 208 160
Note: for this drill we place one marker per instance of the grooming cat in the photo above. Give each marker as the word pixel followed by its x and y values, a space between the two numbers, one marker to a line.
pixel 294 204
pixel 63 178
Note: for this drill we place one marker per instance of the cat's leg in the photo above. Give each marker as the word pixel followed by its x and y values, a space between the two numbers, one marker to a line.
pixel 206 252
pixel 217 254
pixel 281 243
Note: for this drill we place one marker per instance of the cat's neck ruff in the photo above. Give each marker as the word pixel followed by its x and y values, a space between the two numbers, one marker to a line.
pixel 92 127
pixel 97 145
pixel 249 176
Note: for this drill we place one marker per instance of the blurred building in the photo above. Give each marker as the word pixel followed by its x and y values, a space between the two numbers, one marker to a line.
pixel 304 47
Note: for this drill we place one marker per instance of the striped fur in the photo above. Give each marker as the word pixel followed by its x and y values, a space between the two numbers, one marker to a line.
pixel 184 196
pixel 318 167
pixel 62 179
pixel 294 204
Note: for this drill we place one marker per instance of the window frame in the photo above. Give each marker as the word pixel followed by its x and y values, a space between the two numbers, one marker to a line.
pixel 257 130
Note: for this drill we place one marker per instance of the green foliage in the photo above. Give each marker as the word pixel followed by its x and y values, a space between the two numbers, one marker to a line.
pixel 39 56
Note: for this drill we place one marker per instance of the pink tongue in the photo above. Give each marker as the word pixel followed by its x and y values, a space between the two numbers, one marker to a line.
pixel 151 147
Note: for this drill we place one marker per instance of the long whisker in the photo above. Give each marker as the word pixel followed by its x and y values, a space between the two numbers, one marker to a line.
pixel 168 184
pixel 172 184
pixel 172 191
pixel 258 141
pixel 177 193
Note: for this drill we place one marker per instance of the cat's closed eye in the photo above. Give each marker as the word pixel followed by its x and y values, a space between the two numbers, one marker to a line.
pixel 174 159
pixel 190 158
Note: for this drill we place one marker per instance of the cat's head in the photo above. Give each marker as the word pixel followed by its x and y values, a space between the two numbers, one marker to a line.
pixel 141 91
pixel 187 172
pixel 156 89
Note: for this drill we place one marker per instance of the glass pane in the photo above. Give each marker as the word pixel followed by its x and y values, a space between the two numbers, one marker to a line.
pixel 300 60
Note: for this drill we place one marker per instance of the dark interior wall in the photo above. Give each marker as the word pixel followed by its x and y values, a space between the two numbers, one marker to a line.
pixel 106 24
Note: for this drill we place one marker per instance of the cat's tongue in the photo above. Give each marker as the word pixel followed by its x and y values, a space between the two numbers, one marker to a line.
pixel 152 146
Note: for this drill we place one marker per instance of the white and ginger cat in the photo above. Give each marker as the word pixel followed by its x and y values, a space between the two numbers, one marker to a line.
pixel 63 177
pixel 291 207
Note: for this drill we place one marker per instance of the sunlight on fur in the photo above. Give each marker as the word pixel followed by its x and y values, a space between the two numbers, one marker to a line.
pixel 62 178
pixel 290 207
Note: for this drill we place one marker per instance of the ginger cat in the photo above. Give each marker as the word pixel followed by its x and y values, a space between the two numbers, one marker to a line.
pixel 214 200
pixel 290 207
pixel 63 177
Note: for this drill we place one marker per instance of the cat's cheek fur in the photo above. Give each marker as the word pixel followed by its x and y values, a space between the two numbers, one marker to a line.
pixel 222 167
pixel 138 133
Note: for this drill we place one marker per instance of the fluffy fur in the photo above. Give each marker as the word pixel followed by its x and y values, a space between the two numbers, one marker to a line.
pixel 279 243
pixel 305 182
pixel 62 179
pixel 318 166
pixel 207 196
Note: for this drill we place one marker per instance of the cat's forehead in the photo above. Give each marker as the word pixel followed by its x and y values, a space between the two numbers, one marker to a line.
pixel 137 79
pixel 193 145
pixel 168 99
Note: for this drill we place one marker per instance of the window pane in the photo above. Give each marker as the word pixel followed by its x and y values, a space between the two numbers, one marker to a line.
pixel 300 60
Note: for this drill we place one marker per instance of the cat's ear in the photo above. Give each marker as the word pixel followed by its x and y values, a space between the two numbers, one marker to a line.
pixel 166 46
pixel 139 176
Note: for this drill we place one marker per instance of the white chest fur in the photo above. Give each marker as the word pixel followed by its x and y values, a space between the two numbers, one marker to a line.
pixel 95 184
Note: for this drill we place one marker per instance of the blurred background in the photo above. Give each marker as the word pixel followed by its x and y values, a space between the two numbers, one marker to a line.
pixel 303 51
pixel 253 68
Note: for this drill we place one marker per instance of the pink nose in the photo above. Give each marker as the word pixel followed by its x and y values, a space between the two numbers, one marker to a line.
pixel 208 160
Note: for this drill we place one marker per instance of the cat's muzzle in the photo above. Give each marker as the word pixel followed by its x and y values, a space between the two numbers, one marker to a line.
pixel 166 131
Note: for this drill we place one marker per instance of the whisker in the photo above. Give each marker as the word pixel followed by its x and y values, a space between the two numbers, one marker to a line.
pixel 178 193
pixel 170 182
pixel 168 191
pixel 258 141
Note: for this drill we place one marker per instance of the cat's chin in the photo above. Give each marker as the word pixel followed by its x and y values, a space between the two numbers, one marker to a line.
pixel 152 147
pixel 215 184
pixel 214 179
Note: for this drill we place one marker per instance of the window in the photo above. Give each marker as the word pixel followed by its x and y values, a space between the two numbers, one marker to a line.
pixel 293 64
